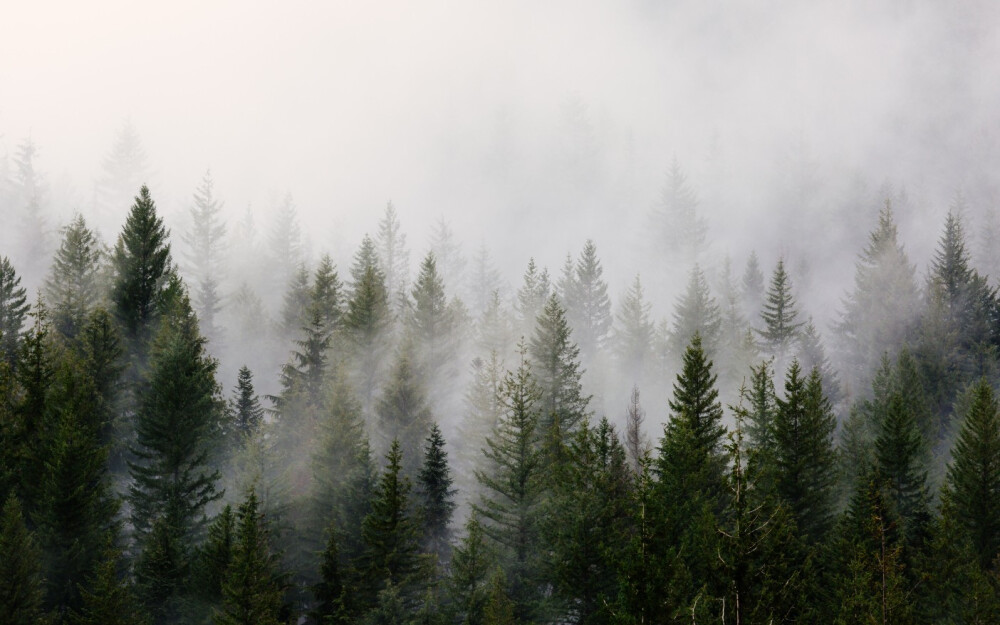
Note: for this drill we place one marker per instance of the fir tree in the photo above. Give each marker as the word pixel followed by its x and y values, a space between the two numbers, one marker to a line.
pixel 972 487
pixel 327 294
pixel 107 597
pixel 13 309
pixel 752 287
pixel 251 591
pixel 21 591
pixel 532 297
pixel 471 564
pixel 759 409
pixel 512 489
pixel 73 287
pixel 805 460
pixel 555 364
pixel 390 535
pixel 437 498
pixel 431 321
pixel 204 253
pixel 215 555
pixel 141 268
pixel 812 355
pixel 696 313
pixel 330 592
pixel 636 445
pixel 179 416
pixel 403 414
pixel 367 318
pixel 634 332
pixel 780 328
pixel 393 257
pixel 588 307
pixel 900 455
pixel 248 414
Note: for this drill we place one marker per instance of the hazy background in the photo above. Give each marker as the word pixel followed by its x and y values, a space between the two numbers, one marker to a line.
pixel 528 126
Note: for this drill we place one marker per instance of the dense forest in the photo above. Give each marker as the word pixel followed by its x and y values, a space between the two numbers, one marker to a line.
pixel 438 448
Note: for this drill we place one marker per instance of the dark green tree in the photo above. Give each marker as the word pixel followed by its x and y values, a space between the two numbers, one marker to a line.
pixel 972 486
pixel 331 592
pixel 327 295
pixel 901 457
pixel 248 414
pixel 215 555
pixel 555 366
pixel 141 269
pixel 73 288
pixel 778 314
pixel 21 592
pixel 252 589
pixel 471 564
pixel 367 319
pixel 436 496
pixel 107 597
pixel 13 310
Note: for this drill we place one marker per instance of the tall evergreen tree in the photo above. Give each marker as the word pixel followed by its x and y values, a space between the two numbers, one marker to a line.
pixel 696 312
pixel 284 244
pixel 251 591
pixel 448 254
pixel 555 365
pixel 676 225
pixel 204 253
pixel 780 328
pixel 107 597
pixel 901 455
pixel 752 287
pixel 393 257
pixel 437 498
pixel 124 169
pixel 484 280
pixel 512 489
pixel 141 268
pixel 367 318
pixel 588 307
pixel 471 564
pixel 330 593
pixel 403 414
pixel 21 591
pixel 972 487
pixel 327 294
pixel 73 288
pixel 295 304
pixel 431 321
pixel 248 414
pixel 532 297
pixel 13 310
pixel 812 355
pixel 634 332
pixel 637 445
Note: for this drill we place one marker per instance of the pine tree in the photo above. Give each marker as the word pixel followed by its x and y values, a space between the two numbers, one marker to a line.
pixel 881 309
pixel 330 593
pixel 484 280
pixel 588 308
pixel 437 498
pixel 812 355
pixel 141 268
pixel 901 454
pixel 403 414
pixel 204 254
pixel 327 294
pixel 13 309
pixel 21 591
pixel 532 297
pixel 390 535
pixel 124 170
pixel 251 591
pixel 431 321
pixel 471 564
pixel 973 481
pixel 805 459
pixel 780 328
pixel 73 288
pixel 448 254
pixel 555 365
pixel 393 257
pixel 107 597
pixel 284 244
pixel 248 414
pixel 215 555
pixel 676 225
pixel 696 312
pixel 634 332
pixel 512 489
pixel 367 318
pixel 178 418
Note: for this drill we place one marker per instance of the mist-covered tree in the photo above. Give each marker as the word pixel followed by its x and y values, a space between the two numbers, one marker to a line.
pixel 107 597
pixel 32 409
pixel 21 590
pixel 327 296
pixel 367 318
pixel 393 257
pixel 588 307
pixel 215 555
pixel 677 227
pixel 758 407
pixel 251 591
pixel 812 355
pixel 752 287
pixel 972 487
pixel 204 253
pixel 295 303
pixel 435 495
pixel 634 332
pixel 124 170
pixel 390 534
pixel 512 489
pixel 779 314
pixel 177 425
pixel 901 456
pixel 881 309
pixel 471 564
pixel 484 280
pixel 13 310
pixel 532 297
pixel 330 592
pixel 696 312
pixel 28 196
pixel 431 321
pixel 448 254
pixel 555 367
pixel 248 414
pixel 637 447
pixel 74 286
pixel 403 413
pixel 805 460
pixel 284 244
pixel 141 268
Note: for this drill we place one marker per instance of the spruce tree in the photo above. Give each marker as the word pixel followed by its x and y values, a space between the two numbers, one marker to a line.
pixel 512 489
pixel 215 555
pixel 251 591
pixel 437 498
pixel 327 294
pixel 759 409
pixel 403 414
pixel 696 312
pixel 430 318
pixel 901 457
pixel 21 591
pixel 13 310
pixel 972 487
pixel 531 297
pixel 141 267
pixel 248 414
pixel 471 564
pixel 393 257
pixel 178 419
pixel 804 457
pixel 389 533
pixel 204 254
pixel 107 597
pixel 752 287
pixel 634 332
pixel 331 592
pixel 779 313
pixel 812 355
pixel 555 366
pixel 588 308
pixel 73 287
pixel 367 319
